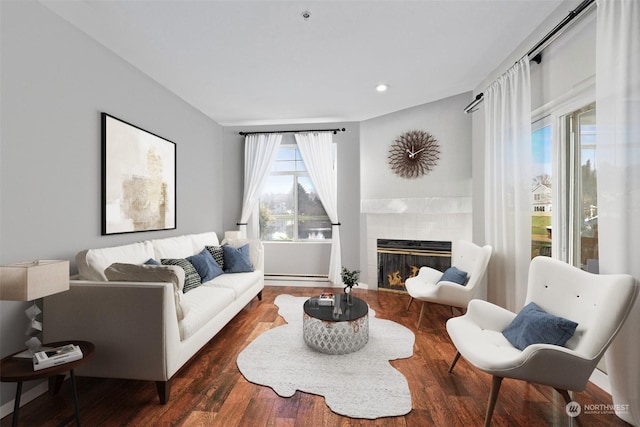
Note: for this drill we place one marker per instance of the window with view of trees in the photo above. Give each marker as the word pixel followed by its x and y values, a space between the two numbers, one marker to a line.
pixel 290 209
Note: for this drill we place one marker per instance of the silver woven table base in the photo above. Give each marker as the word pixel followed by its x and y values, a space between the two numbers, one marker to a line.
pixel 336 337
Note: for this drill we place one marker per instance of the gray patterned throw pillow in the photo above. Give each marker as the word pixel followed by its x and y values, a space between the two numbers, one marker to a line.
pixel 191 277
pixel 218 254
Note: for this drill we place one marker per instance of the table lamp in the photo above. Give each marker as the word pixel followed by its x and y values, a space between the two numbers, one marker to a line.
pixel 233 235
pixel 29 281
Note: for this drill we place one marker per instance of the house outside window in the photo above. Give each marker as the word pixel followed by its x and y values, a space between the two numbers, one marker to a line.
pixel 577 230
pixel 541 188
pixel 290 209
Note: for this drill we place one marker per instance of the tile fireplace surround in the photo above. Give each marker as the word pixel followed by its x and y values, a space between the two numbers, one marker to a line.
pixel 432 218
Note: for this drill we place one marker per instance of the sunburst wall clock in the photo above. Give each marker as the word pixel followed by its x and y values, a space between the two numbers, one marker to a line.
pixel 414 154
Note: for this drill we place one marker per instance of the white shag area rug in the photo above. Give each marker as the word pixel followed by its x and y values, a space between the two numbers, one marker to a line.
pixel 358 385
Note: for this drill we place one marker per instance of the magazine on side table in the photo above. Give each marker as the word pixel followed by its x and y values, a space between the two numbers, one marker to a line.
pixel 56 356
pixel 326 298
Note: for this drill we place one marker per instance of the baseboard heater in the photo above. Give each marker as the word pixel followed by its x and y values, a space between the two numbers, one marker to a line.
pixel 298 277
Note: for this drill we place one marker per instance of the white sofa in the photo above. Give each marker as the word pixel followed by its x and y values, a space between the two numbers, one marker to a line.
pixel 148 330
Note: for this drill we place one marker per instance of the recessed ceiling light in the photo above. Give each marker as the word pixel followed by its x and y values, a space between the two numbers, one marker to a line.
pixel 382 87
pixel 306 15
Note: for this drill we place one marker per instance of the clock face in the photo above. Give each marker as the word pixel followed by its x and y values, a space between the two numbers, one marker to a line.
pixel 414 154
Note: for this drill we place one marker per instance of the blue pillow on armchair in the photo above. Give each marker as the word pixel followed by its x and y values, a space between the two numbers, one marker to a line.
pixel 455 275
pixel 533 325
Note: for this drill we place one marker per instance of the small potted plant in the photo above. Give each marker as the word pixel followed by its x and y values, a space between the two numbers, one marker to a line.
pixel 349 279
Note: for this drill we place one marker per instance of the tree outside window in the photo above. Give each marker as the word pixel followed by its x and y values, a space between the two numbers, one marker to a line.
pixel 290 209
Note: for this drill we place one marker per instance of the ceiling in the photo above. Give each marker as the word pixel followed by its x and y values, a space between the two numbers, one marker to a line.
pixel 261 62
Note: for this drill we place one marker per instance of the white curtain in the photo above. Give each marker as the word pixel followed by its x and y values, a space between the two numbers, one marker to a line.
pixel 618 167
pixel 508 183
pixel 259 154
pixel 317 152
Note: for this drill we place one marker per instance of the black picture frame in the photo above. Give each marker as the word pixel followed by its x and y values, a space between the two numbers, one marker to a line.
pixel 138 179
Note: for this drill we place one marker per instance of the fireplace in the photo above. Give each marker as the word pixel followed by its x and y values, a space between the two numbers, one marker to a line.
pixel 399 260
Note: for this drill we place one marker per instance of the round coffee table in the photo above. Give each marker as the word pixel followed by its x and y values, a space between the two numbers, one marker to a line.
pixel 338 333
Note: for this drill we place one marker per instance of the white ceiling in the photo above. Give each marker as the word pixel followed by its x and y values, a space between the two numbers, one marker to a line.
pixel 260 62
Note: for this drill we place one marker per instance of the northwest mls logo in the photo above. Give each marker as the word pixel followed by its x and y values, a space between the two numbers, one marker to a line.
pixel 573 409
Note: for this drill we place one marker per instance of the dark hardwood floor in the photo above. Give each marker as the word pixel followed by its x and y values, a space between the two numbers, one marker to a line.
pixel 210 391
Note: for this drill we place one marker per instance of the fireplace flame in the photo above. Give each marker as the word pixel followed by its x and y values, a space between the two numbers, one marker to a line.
pixel 395 279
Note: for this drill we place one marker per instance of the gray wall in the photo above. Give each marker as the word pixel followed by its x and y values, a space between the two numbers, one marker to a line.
pixel 55 81
pixel 446 121
pixel 309 258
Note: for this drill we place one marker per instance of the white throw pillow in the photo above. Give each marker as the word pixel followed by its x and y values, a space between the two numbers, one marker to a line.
pixel 92 263
pixel 172 247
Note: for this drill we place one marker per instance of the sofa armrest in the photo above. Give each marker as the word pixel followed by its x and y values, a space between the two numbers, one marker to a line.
pixel 257 258
pixel 133 326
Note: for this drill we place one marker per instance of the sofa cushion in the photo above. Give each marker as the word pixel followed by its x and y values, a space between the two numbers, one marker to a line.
pixel 191 277
pixel 238 282
pixel 173 247
pixel 236 260
pixel 218 254
pixel 204 304
pixel 151 273
pixel 92 263
pixel 205 265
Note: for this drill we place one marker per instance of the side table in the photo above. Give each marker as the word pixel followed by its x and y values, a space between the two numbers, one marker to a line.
pixel 18 370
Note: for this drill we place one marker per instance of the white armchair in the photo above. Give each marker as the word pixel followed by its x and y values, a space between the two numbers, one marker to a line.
pixel 598 303
pixel 467 257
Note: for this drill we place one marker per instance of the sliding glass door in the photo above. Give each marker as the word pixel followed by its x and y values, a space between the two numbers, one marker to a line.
pixel 581 135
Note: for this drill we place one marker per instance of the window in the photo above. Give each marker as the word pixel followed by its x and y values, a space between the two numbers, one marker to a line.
pixel 577 215
pixel 290 209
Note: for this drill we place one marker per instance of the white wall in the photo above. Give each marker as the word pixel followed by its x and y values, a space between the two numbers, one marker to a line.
pixel 567 68
pixel 55 81
pixel 302 258
pixel 568 65
pixel 436 206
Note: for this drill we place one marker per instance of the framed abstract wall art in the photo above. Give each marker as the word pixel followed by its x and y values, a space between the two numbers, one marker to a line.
pixel 138 179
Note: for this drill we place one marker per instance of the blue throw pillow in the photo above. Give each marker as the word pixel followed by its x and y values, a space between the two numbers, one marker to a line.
pixel 533 325
pixel 205 265
pixel 452 274
pixel 236 260
pixel 152 261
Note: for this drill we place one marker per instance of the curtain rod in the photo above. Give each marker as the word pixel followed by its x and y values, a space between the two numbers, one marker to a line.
pixel 535 53
pixel 335 131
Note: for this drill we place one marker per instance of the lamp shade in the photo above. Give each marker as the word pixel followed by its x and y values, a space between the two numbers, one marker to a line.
pixel 27 281
pixel 232 235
